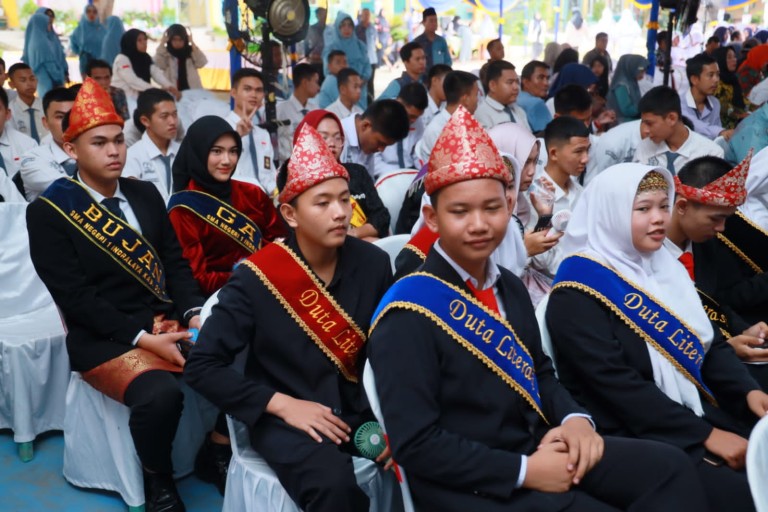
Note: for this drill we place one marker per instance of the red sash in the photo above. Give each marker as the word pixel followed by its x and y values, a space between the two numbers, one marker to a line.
pixel 422 242
pixel 305 298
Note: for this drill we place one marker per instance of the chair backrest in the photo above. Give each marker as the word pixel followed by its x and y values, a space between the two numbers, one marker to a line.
pixel 757 464
pixel 392 245
pixel 21 290
pixel 392 188
pixel 546 340
pixel 369 384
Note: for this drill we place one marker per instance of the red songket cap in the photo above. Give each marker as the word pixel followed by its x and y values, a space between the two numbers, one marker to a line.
pixel 311 163
pixel 93 107
pixel 727 190
pixel 464 151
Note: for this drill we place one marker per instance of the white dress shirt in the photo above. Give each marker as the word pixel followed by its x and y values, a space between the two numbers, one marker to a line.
pixel 351 152
pixel 145 162
pixel 490 113
pixel 290 110
pixel 20 117
pixel 13 145
pixel 615 146
pixel 42 166
pixel 695 146
pixel 8 190
pixel 338 108
pixel 389 159
pixel 432 110
pixel 123 77
pixel 431 134
pixel 265 173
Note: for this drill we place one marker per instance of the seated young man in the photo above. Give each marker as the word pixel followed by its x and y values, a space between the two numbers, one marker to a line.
pixel 701 209
pixel 401 155
pixel 13 143
pixel 502 86
pixel 415 62
pixel 350 85
pixel 301 307
pixel 101 71
pixel 105 249
pixel 435 91
pixel 667 142
pixel 383 123
pixel 48 162
pixel 534 89
pixel 151 158
pixel 27 107
pixel 473 410
pixel 306 85
pixel 699 103
pixel 329 89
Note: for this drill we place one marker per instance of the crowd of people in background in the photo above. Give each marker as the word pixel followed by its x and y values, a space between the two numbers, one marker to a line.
pixel 608 177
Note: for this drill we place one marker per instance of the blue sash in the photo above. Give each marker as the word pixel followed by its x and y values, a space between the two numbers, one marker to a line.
pixel 111 234
pixel 221 216
pixel 484 333
pixel 659 327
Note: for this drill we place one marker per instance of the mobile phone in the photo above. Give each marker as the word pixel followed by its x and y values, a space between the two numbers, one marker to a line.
pixel 715 460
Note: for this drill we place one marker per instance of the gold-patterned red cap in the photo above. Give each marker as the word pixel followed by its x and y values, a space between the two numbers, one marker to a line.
pixel 727 190
pixel 311 163
pixel 464 151
pixel 93 107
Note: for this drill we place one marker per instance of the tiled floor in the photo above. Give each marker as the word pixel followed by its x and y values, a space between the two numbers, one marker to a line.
pixel 39 485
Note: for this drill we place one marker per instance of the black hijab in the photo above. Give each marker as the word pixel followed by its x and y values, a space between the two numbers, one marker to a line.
pixel 141 62
pixel 730 77
pixel 191 162
pixel 182 54
pixel 567 56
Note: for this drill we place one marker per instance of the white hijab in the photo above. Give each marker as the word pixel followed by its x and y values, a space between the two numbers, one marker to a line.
pixel 756 205
pixel 601 227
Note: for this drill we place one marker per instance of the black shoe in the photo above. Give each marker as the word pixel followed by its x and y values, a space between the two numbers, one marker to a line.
pixel 212 463
pixel 161 494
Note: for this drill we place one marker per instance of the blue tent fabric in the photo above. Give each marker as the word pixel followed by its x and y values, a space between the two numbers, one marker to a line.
pixel 86 40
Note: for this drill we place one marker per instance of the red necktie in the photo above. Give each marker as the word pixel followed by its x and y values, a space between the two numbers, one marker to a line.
pixel 687 260
pixel 486 297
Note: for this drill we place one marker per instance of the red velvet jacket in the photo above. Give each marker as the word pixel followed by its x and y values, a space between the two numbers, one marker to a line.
pixel 211 253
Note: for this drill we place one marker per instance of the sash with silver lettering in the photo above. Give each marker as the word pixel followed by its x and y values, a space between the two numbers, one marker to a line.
pixel 748 240
pixel 220 215
pixel 109 233
pixel 308 302
pixel 659 327
pixel 484 333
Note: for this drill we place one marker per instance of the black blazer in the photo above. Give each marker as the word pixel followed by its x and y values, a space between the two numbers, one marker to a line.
pixel 456 428
pixel 607 368
pixel 740 288
pixel 104 307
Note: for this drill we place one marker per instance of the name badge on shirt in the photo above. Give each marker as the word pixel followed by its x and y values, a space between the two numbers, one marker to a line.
pixel 267 163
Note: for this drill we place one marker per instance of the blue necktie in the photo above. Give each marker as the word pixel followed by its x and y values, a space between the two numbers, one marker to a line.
pixel 252 152
pixel 400 156
pixel 168 176
pixel 113 205
pixel 33 126
pixel 671 157
pixel 508 110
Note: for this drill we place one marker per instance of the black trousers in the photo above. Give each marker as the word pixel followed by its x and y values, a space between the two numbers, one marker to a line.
pixel 156 402
pixel 760 373
pixel 725 488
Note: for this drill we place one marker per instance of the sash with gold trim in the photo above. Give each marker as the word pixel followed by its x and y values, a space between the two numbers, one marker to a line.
pixel 123 244
pixel 222 216
pixel 715 314
pixel 748 240
pixel 641 312
pixel 304 297
pixel 482 332
pixel 422 242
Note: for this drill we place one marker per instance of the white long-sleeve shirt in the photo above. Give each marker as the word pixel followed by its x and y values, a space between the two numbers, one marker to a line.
pixel 123 77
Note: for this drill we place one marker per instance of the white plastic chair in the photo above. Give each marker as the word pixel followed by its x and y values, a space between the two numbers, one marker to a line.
pixel 392 245
pixel 757 464
pixel 34 367
pixel 369 383
pixel 546 339
pixel 392 188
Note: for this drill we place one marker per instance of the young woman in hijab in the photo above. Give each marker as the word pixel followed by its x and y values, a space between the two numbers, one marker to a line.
pixel 202 178
pixel 733 105
pixel 752 71
pixel 110 47
pixel 355 50
pixel 566 56
pixel 133 68
pixel 633 343
pixel 624 93
pixel 573 73
pixel 600 67
pixel 180 58
pixel 87 39
pixel 370 218
pixel 43 53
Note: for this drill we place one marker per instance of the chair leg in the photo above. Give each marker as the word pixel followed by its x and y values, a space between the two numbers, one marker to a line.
pixel 26 451
pixel 140 508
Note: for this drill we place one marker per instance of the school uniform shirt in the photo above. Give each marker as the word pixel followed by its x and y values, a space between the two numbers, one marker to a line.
pixel 13 145
pixel 615 146
pixel 351 152
pixel 695 146
pixel 329 91
pixel 43 165
pixel 8 191
pixel 145 162
pixel 291 110
pixel 338 108
pixel 706 122
pixel 431 134
pixel 535 109
pixel 123 77
pixel 21 119
pixel 431 111
pixel 490 113
pixel 264 173
pixel 401 154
